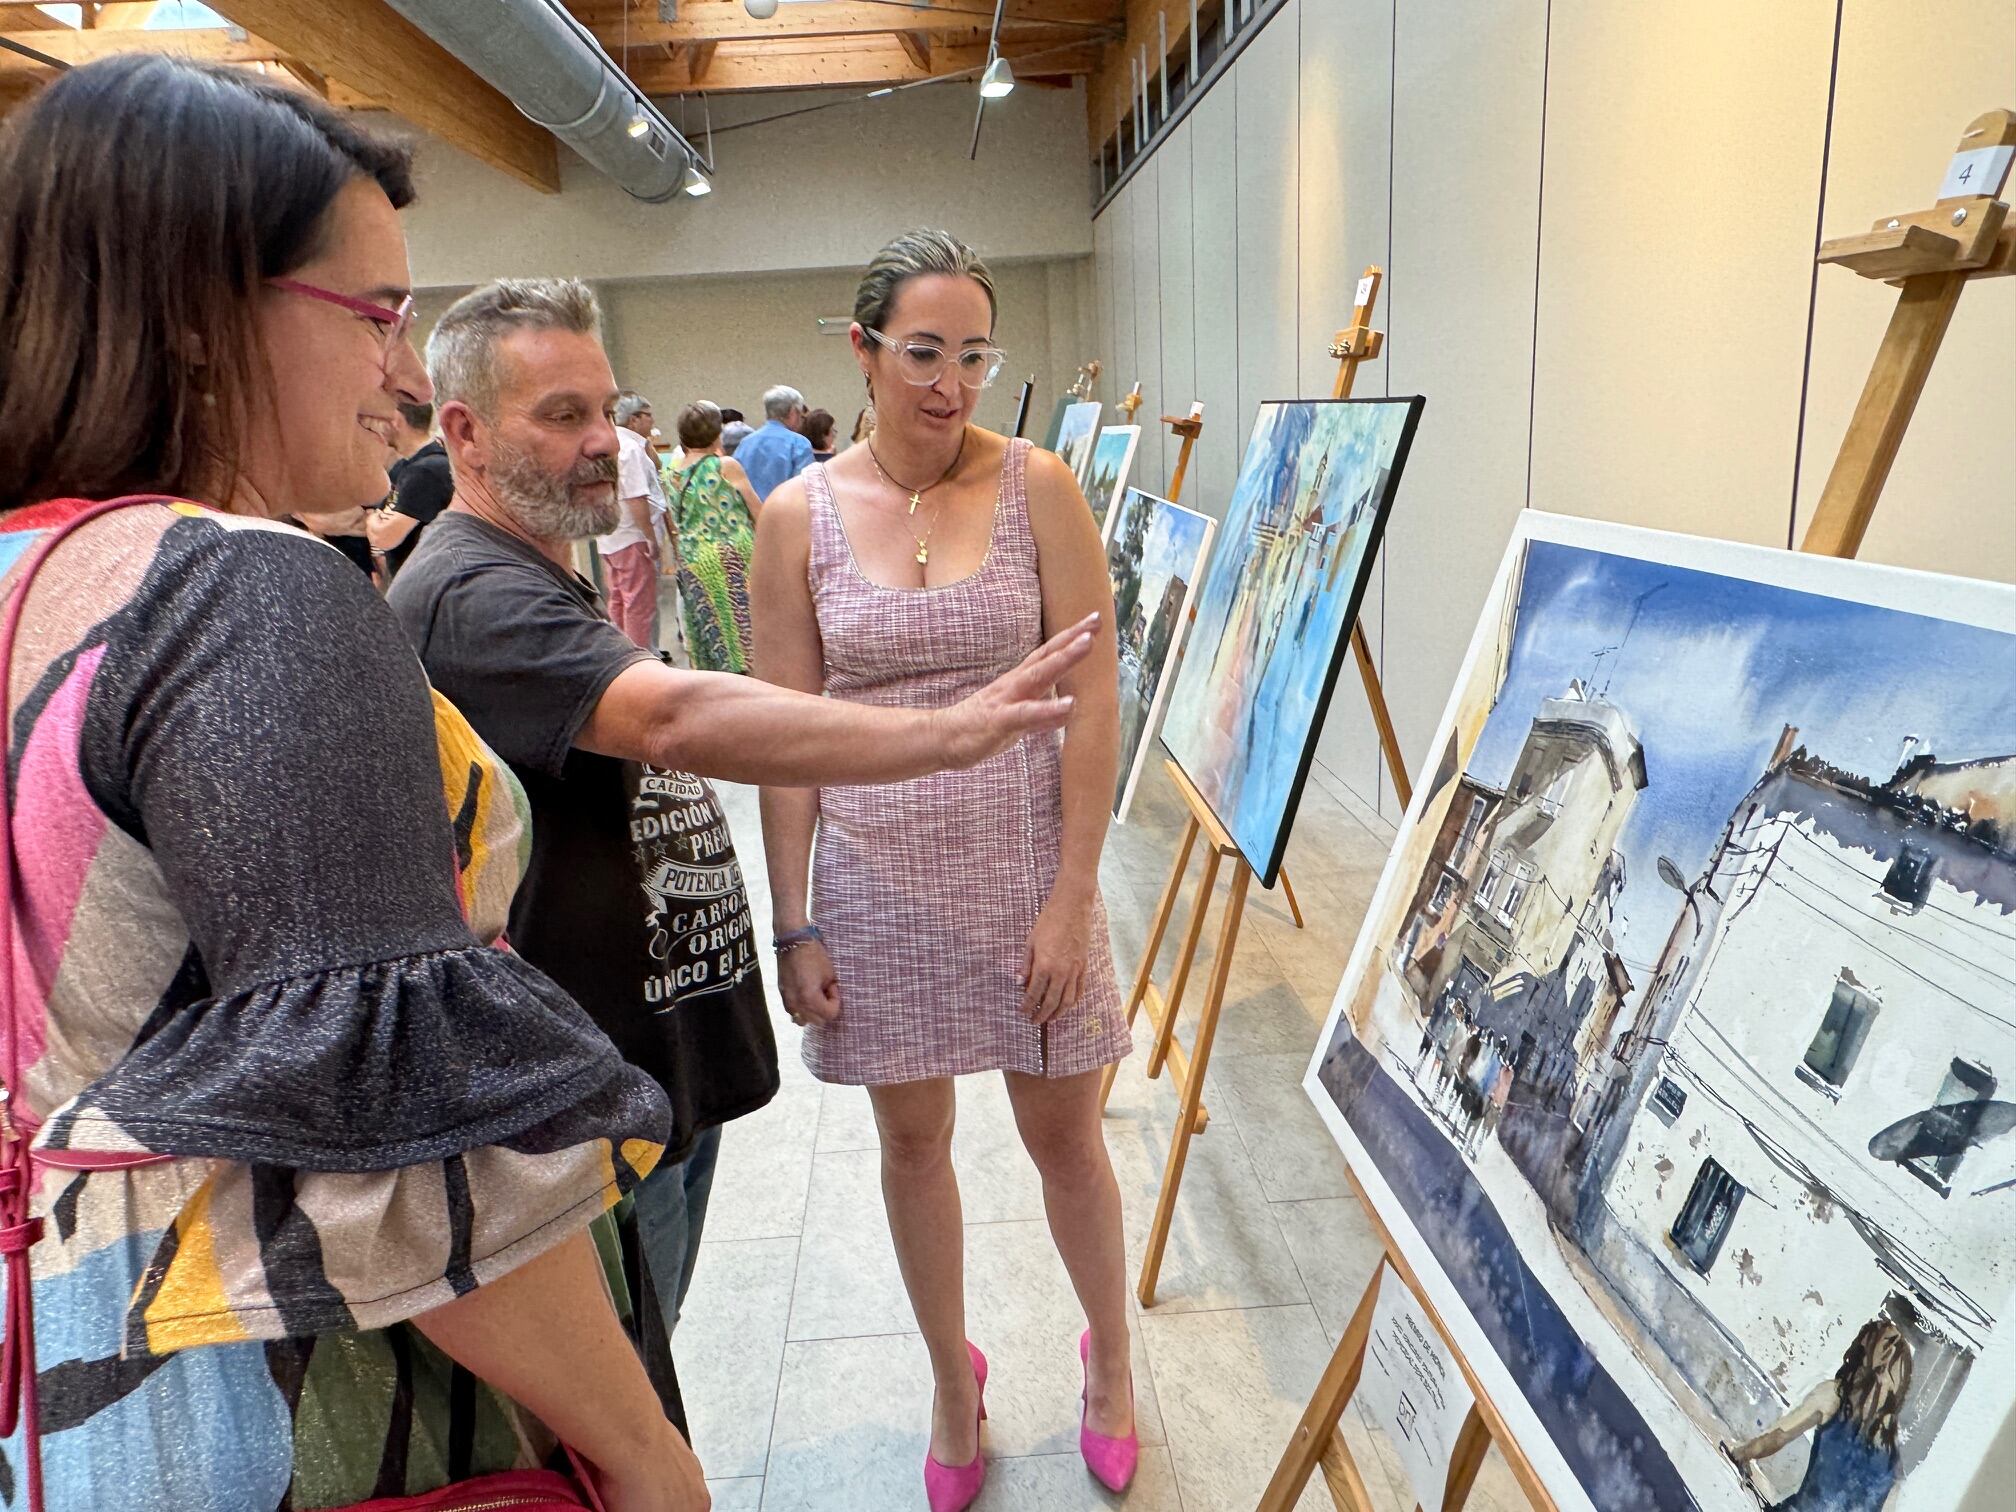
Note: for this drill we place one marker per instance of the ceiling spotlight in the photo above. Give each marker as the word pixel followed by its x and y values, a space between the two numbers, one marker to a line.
pixel 696 183
pixel 762 10
pixel 639 124
pixel 998 82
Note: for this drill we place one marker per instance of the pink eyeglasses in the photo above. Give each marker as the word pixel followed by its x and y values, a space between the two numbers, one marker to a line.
pixel 393 325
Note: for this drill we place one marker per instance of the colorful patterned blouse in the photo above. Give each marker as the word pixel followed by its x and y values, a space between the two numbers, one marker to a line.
pixel 249 937
pixel 716 540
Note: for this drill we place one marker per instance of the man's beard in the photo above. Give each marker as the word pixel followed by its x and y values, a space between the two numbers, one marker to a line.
pixel 544 502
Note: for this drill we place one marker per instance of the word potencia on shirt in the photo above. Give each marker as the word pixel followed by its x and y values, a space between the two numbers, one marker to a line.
pixel 701 935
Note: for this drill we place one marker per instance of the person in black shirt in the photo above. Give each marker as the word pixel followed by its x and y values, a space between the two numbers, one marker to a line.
pixel 633 900
pixel 422 485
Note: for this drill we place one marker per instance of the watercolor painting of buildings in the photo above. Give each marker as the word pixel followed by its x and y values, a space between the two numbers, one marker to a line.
pixel 1676 1049
pixel 1154 557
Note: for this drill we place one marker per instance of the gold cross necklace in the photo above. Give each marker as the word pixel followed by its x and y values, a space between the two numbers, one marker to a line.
pixel 917 495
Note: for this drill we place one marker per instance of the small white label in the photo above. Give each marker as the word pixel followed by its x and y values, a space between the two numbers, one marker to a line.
pixel 1364 292
pixel 1979 170
pixel 1197 410
pixel 1412 1390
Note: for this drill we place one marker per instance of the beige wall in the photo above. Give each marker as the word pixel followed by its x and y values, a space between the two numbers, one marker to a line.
pixel 823 190
pixel 1624 335
pixel 729 339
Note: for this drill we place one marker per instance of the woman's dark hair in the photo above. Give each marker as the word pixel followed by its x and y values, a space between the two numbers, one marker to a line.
pixel 142 202
pixel 819 430
pixel 1874 1379
pixel 699 425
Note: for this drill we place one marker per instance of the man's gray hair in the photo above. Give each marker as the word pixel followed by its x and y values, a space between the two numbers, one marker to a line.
pixel 781 400
pixel 628 403
pixel 462 351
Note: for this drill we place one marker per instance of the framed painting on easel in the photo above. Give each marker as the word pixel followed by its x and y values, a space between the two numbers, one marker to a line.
pixel 1274 616
pixel 1671 1054
pixel 1154 557
pixel 1106 473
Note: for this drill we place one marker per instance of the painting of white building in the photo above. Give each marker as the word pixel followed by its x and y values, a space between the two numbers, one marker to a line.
pixel 1826 1077
pixel 1676 1049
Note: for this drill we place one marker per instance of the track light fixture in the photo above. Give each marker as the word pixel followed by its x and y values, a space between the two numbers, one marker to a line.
pixel 999 80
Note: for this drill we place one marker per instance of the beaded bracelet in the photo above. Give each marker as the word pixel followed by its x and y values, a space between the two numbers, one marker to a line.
pixel 784 944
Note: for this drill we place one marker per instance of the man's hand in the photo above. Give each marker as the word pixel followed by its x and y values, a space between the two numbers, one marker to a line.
pixel 1017 704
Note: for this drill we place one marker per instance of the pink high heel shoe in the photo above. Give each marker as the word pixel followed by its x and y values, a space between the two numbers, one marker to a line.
pixel 1112 1460
pixel 952 1488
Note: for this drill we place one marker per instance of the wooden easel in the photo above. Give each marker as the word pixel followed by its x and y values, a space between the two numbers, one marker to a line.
pixel 1352 346
pixel 1930 255
pixel 1131 403
pixel 1189 427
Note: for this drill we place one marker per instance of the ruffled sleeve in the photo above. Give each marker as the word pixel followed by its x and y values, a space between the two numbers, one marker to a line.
pixel 371 1111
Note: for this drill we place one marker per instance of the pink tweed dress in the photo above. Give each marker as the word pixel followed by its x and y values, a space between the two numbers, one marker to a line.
pixel 926 890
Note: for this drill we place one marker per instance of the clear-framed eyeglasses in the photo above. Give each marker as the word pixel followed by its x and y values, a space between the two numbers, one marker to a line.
pixel 920 364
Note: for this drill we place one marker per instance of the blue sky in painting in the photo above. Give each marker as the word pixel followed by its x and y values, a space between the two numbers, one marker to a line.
pixel 1714 667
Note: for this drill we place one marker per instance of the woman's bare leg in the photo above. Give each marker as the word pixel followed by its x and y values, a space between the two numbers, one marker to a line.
pixel 1059 1120
pixel 922 1197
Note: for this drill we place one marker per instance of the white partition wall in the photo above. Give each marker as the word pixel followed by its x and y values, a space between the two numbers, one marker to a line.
pixel 1598 224
pixel 1173 178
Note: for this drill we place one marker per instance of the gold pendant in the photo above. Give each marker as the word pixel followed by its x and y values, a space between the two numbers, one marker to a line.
pixel 915 500
pixel 923 555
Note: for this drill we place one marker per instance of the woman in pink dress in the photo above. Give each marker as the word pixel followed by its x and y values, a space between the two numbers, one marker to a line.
pixel 955 923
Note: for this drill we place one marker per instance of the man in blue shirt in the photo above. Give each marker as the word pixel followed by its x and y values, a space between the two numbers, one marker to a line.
pixel 776 451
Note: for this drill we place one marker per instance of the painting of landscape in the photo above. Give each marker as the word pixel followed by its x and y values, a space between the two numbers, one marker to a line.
pixel 1112 460
pixel 1300 534
pixel 1672 1049
pixel 1154 556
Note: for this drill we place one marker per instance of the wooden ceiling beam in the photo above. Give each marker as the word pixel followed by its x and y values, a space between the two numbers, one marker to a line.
pixel 727 21
pixel 1109 93
pixel 917 44
pixel 764 67
pixel 374 51
pixel 126 17
pixel 20 16
pixel 209 44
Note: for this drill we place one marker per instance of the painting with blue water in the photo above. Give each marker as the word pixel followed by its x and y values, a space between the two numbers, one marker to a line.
pixel 1300 534
pixel 1672 1049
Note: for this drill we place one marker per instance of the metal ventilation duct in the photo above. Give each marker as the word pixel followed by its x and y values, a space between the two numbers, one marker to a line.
pixel 552 68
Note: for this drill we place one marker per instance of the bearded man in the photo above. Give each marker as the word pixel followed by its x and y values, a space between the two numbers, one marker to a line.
pixel 633 899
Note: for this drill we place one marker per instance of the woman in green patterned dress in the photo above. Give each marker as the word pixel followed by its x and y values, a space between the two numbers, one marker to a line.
pixel 713 518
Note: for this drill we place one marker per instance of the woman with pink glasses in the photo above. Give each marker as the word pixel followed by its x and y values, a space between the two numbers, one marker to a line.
pixel 314 1163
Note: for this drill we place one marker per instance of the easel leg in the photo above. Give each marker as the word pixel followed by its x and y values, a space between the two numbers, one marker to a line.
pixel 1903 363
pixel 1375 694
pixel 1192 934
pixel 1156 930
pixel 1193 1084
pixel 1318 1428
pixel 1294 906
pixel 1466 1459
